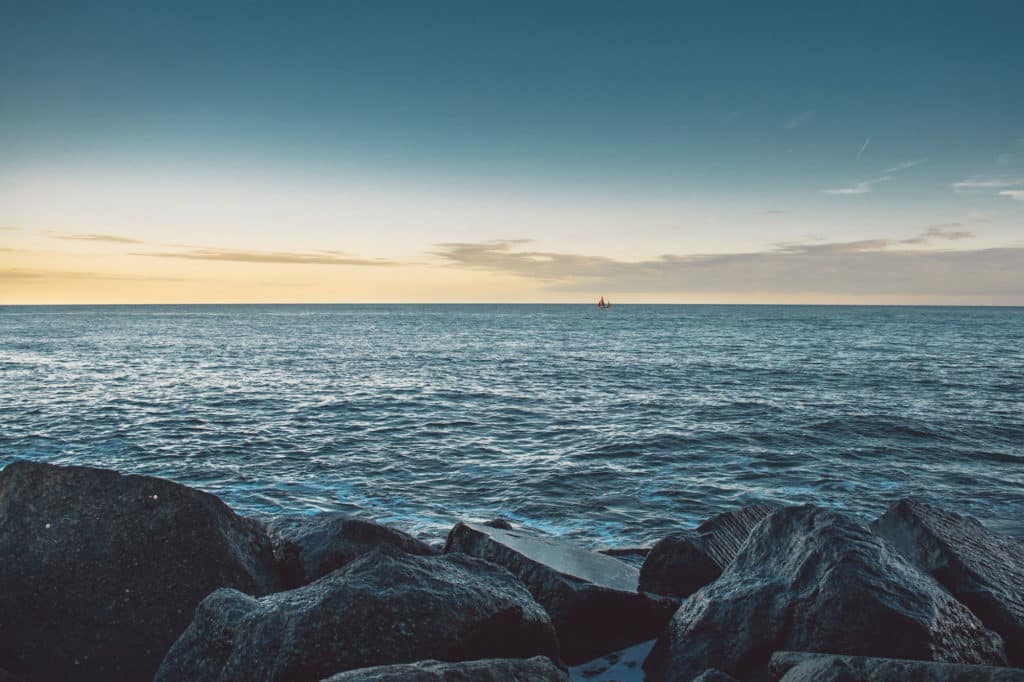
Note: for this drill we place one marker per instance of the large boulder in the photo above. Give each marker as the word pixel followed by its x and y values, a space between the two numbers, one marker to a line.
pixel 682 563
pixel 982 569
pixel 310 547
pixel 385 607
pixel 800 666
pixel 536 669
pixel 101 572
pixel 810 579
pixel 592 598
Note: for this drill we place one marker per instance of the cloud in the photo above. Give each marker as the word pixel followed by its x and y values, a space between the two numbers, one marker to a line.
pixel 801 119
pixel 288 257
pixel 867 267
pixel 775 211
pixel 859 187
pixel 864 146
pixel 21 274
pixel 947 231
pixel 8 229
pixel 1015 194
pixel 99 238
pixel 981 183
pixel 905 165
pixel 864 186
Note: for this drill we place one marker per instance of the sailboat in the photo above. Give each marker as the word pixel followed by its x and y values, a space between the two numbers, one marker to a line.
pixel 604 304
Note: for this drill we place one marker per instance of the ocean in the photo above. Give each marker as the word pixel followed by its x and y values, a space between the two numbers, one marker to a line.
pixel 614 427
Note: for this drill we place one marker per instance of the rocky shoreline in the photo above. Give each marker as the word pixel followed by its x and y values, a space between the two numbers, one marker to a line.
pixel 108 576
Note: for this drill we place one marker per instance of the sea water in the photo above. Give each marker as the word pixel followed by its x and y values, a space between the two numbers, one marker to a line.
pixel 611 426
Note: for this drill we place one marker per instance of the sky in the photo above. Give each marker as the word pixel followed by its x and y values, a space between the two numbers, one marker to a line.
pixel 864 152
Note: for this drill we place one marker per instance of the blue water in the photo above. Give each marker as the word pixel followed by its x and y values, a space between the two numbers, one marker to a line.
pixel 614 427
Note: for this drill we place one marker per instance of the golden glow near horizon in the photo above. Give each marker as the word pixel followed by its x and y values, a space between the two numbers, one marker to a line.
pixel 101 234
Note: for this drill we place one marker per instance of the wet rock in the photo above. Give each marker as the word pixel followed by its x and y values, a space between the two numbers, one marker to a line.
pixel 799 666
pixel 536 669
pixel 499 522
pixel 592 598
pixel 383 608
pixel 682 563
pixel 712 675
pixel 102 571
pixel 982 569
pixel 308 547
pixel 810 579
pixel 634 556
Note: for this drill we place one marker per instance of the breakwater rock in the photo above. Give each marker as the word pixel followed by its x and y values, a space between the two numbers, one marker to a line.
pixel 113 577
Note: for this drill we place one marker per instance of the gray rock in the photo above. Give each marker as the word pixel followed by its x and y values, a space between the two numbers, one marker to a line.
pixel 101 571
pixel 536 669
pixel 810 579
pixel 982 569
pixel 385 607
pixel 800 666
pixel 310 547
pixel 713 675
pixel 682 563
pixel 592 598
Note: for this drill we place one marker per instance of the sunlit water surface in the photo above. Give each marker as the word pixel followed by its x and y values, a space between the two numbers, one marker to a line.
pixel 611 426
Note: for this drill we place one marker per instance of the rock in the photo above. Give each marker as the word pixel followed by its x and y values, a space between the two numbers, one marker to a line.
pixel 536 669
pixel 102 571
pixel 383 608
pixel 982 569
pixel 682 563
pixel 634 556
pixel 712 675
pixel 310 547
pixel 810 579
pixel 800 666
pixel 499 522
pixel 592 598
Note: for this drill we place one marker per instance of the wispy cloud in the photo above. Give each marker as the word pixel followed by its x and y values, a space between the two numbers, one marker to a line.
pixel 983 183
pixel 1015 194
pixel 860 152
pixel 111 238
pixel 905 165
pixel 866 267
pixel 859 187
pixel 801 119
pixel 8 229
pixel 287 257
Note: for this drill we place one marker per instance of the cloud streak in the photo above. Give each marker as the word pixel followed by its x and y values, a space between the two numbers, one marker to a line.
pixel 859 187
pixel 801 119
pixel 905 165
pixel 1015 194
pixel 866 267
pixel 110 238
pixel 22 274
pixel 282 257
pixel 860 152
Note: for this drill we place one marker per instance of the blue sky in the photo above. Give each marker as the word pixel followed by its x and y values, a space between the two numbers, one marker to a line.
pixel 612 131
